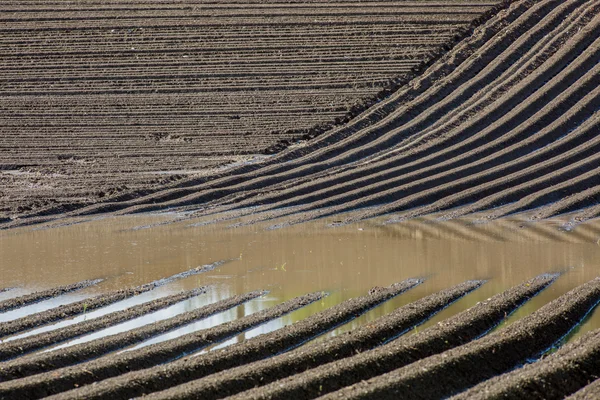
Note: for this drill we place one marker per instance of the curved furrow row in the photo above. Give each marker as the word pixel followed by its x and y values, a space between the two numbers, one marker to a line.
pixel 413 189
pixel 439 69
pixel 516 137
pixel 332 59
pixel 245 185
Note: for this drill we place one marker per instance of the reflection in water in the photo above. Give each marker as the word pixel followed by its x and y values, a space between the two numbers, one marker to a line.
pixel 345 261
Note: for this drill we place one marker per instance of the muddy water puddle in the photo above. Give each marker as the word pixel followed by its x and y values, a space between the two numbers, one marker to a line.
pixel 344 261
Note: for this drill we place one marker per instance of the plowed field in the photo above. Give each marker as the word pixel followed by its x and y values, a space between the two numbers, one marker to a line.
pixel 112 99
pixel 505 122
pixel 376 360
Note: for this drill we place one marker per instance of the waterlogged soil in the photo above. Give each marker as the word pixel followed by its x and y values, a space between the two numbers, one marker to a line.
pixel 345 262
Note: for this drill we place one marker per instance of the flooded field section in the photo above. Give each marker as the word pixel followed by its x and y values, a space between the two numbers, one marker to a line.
pixel 123 299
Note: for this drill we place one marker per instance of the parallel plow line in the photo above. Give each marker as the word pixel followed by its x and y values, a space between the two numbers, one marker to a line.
pixel 509 116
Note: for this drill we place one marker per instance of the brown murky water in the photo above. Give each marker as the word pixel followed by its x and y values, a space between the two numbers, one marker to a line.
pixel 345 261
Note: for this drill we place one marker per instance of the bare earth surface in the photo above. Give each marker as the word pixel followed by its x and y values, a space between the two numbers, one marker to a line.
pixel 504 122
pixel 101 98
pixel 398 110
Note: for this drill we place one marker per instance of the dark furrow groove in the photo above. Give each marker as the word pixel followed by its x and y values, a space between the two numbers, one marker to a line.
pixel 554 377
pixel 455 331
pixel 69 310
pixel 25 300
pixel 457 369
pixel 18 347
pixel 43 362
pixel 263 346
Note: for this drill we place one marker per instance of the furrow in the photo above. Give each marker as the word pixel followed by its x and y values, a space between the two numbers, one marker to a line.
pixel 260 373
pixel 329 163
pixel 43 362
pixel 268 168
pixel 36 297
pixel 590 392
pixel 457 369
pixel 64 379
pixel 455 331
pixel 554 377
pixel 102 300
pixel 18 347
pixel 263 346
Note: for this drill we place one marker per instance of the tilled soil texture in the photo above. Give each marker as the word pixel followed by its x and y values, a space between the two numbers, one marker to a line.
pixel 457 369
pixel 103 100
pixel 260 373
pixel 377 360
pixel 42 362
pixel 555 377
pixel 590 392
pixel 329 376
pixel 34 342
pixel 119 365
pixel 505 122
pixel 25 300
pixel 79 307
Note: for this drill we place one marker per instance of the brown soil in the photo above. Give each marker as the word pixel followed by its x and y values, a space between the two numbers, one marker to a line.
pixel 590 392
pixel 373 334
pixel 331 376
pixel 558 375
pixel 135 383
pixel 370 361
pixel 21 301
pixel 38 341
pixel 42 362
pixel 63 379
pixel 90 304
pixel 506 117
pixel 112 101
pixel 457 369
